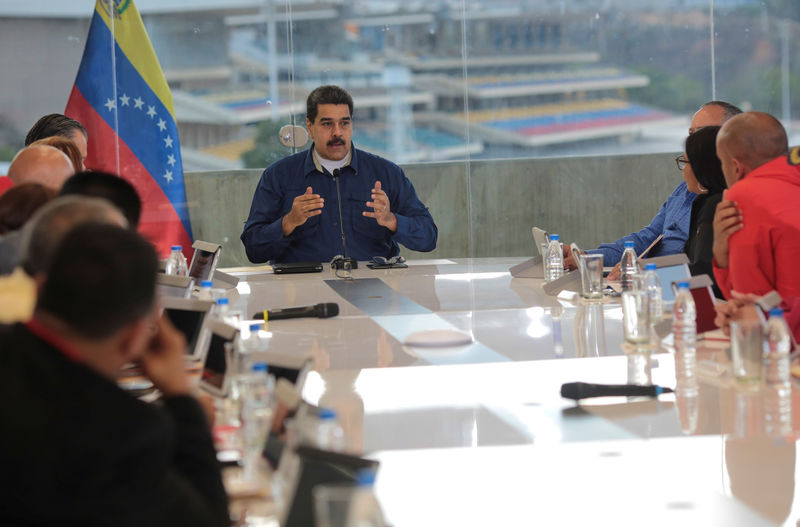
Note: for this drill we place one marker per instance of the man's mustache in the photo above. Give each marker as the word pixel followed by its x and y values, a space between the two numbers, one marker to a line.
pixel 336 141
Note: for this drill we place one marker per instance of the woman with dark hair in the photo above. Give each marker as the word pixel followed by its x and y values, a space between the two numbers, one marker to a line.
pixel 702 172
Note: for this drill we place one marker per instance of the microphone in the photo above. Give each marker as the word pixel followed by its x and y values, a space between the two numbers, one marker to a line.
pixel 340 262
pixel 328 310
pixel 585 390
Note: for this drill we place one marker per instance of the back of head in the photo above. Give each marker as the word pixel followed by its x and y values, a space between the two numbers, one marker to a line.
pixel 701 148
pixel 326 95
pixel 54 124
pixel 41 164
pixel 102 278
pixel 45 230
pixel 107 186
pixel 67 146
pixel 20 202
pixel 728 110
pixel 754 138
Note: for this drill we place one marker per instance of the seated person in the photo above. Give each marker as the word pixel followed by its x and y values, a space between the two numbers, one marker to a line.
pixel 703 175
pixel 83 451
pixel 113 188
pixel 742 306
pixel 66 146
pixel 295 216
pixel 764 182
pixel 673 219
pixel 58 125
pixel 16 207
pixel 43 164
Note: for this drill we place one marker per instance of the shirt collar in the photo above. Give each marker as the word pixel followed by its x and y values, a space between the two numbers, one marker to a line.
pixel 312 165
pixel 51 337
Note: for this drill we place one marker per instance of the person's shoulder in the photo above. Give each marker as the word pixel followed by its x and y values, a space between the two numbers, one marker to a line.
pixel 286 165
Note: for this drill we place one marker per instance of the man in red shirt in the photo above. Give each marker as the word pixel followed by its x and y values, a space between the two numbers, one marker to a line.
pixel 760 249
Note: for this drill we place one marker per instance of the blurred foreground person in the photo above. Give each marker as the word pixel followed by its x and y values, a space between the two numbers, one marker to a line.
pixel 78 449
pixel 42 164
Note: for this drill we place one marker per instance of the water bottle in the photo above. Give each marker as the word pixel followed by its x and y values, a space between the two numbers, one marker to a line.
pixel 684 324
pixel 364 509
pixel 655 301
pixel 176 263
pixel 554 260
pixel 777 349
pixel 628 267
pixel 248 348
pixel 330 435
pixel 255 395
pixel 206 291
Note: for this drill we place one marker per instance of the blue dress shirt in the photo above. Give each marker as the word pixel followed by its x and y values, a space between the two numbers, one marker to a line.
pixel 319 239
pixel 672 221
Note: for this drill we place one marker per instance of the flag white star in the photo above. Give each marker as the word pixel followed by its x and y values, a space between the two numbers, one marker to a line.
pixel 110 104
pixel 162 124
pixel 171 160
pixel 168 176
pixel 151 111
pixel 125 99
pixel 168 142
pixel 138 103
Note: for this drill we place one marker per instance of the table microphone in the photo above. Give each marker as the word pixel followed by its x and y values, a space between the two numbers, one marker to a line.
pixel 331 309
pixel 585 390
pixel 339 261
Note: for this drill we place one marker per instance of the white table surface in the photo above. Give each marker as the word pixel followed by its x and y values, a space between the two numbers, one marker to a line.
pixel 480 435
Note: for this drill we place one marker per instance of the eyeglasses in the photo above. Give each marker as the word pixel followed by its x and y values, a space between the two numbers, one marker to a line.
pixel 380 260
pixel 681 161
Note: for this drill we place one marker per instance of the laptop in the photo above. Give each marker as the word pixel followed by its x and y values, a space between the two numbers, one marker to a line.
pixel 189 316
pixel 216 375
pixel 204 260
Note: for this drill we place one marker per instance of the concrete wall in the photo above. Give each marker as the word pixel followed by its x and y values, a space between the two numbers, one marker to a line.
pixel 588 200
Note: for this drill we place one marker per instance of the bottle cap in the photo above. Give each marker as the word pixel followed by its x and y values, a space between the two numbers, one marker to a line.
pixel 326 414
pixel 206 283
pixel 554 237
pixel 254 327
pixel 683 285
pixel 629 245
pixel 222 301
pixel 650 267
pixel 176 247
pixel 365 477
pixel 259 367
pixel 776 312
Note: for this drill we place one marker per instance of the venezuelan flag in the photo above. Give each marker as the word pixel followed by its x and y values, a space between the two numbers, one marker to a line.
pixel 122 98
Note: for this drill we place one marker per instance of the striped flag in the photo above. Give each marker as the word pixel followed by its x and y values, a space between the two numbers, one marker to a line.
pixel 123 100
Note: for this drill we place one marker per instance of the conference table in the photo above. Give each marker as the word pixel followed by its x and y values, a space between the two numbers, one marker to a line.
pixel 478 434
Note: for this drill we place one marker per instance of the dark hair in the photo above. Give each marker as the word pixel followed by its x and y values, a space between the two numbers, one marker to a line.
pixel 108 186
pixel 18 204
pixel 67 146
pixel 53 124
pixel 728 110
pixel 701 149
pixel 326 95
pixel 101 278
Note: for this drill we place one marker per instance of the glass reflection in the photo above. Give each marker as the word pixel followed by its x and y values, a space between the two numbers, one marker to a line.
pixel 640 369
pixel 589 330
pixel 687 391
pixel 558 340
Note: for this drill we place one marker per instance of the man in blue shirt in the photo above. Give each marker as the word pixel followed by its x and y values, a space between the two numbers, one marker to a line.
pixel 674 216
pixel 295 217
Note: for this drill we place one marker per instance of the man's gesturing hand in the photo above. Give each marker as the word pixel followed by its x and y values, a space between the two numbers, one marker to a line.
pixel 382 214
pixel 727 220
pixel 303 207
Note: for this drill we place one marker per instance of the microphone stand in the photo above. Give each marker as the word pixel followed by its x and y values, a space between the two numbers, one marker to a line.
pixel 342 262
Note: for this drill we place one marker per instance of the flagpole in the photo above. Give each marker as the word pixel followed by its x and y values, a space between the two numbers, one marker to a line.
pixel 114 84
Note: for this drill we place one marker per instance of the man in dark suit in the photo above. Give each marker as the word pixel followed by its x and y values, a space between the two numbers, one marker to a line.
pixel 75 448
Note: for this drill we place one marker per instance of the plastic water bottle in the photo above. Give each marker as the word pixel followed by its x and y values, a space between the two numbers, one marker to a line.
pixel 176 263
pixel 249 347
pixel 655 300
pixel 628 267
pixel 255 395
pixel 364 509
pixel 777 349
pixel 684 323
pixel 206 291
pixel 554 260
pixel 330 435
